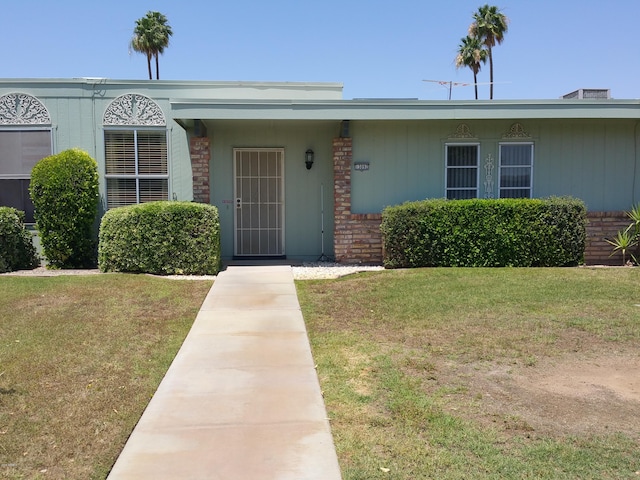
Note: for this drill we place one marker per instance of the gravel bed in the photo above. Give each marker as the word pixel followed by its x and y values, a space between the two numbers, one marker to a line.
pixel 320 270
pixel 306 271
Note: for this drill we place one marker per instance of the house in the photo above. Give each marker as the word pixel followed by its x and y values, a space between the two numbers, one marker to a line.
pixel 298 172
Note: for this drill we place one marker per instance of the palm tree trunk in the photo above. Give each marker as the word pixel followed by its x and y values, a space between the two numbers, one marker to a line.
pixel 490 74
pixel 157 68
pixel 475 82
pixel 149 65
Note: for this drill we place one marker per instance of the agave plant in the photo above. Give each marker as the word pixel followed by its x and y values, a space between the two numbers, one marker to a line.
pixel 634 215
pixel 623 242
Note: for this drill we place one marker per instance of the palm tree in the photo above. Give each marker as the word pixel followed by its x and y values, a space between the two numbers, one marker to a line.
pixel 150 37
pixel 489 26
pixel 471 54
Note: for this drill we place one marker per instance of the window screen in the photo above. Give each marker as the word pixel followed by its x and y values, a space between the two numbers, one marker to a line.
pixel 462 171
pixel 516 169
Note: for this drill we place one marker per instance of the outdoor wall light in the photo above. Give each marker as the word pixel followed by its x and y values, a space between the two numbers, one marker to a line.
pixel 308 158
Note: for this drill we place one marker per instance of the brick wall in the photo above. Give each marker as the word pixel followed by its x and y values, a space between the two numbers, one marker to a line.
pixel 604 225
pixel 357 237
pixel 200 157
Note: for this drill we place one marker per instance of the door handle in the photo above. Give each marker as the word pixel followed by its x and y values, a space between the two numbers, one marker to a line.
pixel 238 203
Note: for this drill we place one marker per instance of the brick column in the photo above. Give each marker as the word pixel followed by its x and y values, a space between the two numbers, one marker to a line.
pixel 357 237
pixel 200 158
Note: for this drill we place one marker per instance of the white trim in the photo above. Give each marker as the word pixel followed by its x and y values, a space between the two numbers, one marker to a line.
pixel 446 166
pixel 137 176
pixel 27 128
pixel 530 166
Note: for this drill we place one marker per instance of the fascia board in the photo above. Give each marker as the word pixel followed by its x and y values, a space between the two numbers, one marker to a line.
pixel 409 110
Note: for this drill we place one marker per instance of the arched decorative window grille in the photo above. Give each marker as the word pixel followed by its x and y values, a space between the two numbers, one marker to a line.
pixel 25 138
pixel 134 110
pixel 23 109
pixel 136 153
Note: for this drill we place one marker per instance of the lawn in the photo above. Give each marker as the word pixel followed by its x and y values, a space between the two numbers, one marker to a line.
pixel 427 373
pixel 80 357
pixel 480 373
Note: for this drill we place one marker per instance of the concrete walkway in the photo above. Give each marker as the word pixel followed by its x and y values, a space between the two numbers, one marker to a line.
pixel 241 400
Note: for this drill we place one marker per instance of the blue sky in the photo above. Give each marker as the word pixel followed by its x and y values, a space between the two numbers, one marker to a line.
pixel 377 49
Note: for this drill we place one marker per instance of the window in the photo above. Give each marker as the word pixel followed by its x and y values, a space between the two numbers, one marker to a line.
pixel 516 168
pixel 135 145
pixel 25 138
pixel 462 171
pixel 20 150
pixel 136 166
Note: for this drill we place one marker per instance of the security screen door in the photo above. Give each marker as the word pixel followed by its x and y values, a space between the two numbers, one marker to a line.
pixel 259 201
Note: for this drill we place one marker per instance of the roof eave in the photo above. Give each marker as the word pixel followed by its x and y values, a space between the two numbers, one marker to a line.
pixel 402 110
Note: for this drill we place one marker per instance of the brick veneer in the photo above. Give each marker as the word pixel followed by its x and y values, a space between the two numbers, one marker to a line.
pixel 604 225
pixel 357 237
pixel 200 158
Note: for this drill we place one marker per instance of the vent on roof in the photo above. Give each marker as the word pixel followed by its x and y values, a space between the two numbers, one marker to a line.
pixel 588 93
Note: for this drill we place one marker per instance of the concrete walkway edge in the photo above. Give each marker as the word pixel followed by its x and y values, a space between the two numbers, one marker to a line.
pixel 241 400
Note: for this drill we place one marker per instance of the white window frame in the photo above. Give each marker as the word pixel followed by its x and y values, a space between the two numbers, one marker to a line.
pixel 447 188
pixel 137 176
pixel 25 128
pixel 505 167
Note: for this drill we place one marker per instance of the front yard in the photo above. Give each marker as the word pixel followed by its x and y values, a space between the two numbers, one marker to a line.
pixel 427 373
pixel 80 357
pixel 480 373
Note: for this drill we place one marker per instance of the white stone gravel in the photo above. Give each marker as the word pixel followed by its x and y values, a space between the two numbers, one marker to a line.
pixel 306 271
pixel 320 270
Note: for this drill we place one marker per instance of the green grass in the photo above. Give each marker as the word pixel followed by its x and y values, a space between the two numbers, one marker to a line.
pixel 398 351
pixel 80 357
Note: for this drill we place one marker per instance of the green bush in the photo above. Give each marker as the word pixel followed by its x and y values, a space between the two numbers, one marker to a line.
pixel 161 238
pixel 16 245
pixel 64 191
pixel 487 233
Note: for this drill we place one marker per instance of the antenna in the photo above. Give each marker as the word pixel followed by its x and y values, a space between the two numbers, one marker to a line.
pixel 450 84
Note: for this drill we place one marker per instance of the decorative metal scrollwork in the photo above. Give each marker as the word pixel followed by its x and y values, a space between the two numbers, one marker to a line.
pixel 134 109
pixel 463 131
pixel 516 131
pixel 489 165
pixel 23 109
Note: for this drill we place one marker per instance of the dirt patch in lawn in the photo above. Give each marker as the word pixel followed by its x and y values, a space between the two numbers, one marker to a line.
pixel 572 395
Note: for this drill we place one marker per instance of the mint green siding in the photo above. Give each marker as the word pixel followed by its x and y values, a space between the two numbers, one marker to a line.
pixel 302 187
pixel 595 160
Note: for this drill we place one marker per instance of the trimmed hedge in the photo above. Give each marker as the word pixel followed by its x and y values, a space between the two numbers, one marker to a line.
pixel 64 191
pixel 17 251
pixel 162 238
pixel 485 233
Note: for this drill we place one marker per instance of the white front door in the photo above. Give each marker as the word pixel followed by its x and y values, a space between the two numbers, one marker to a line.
pixel 259 201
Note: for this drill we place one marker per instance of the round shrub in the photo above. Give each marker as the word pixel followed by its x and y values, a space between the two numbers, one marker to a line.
pixel 64 191
pixel 16 245
pixel 162 238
